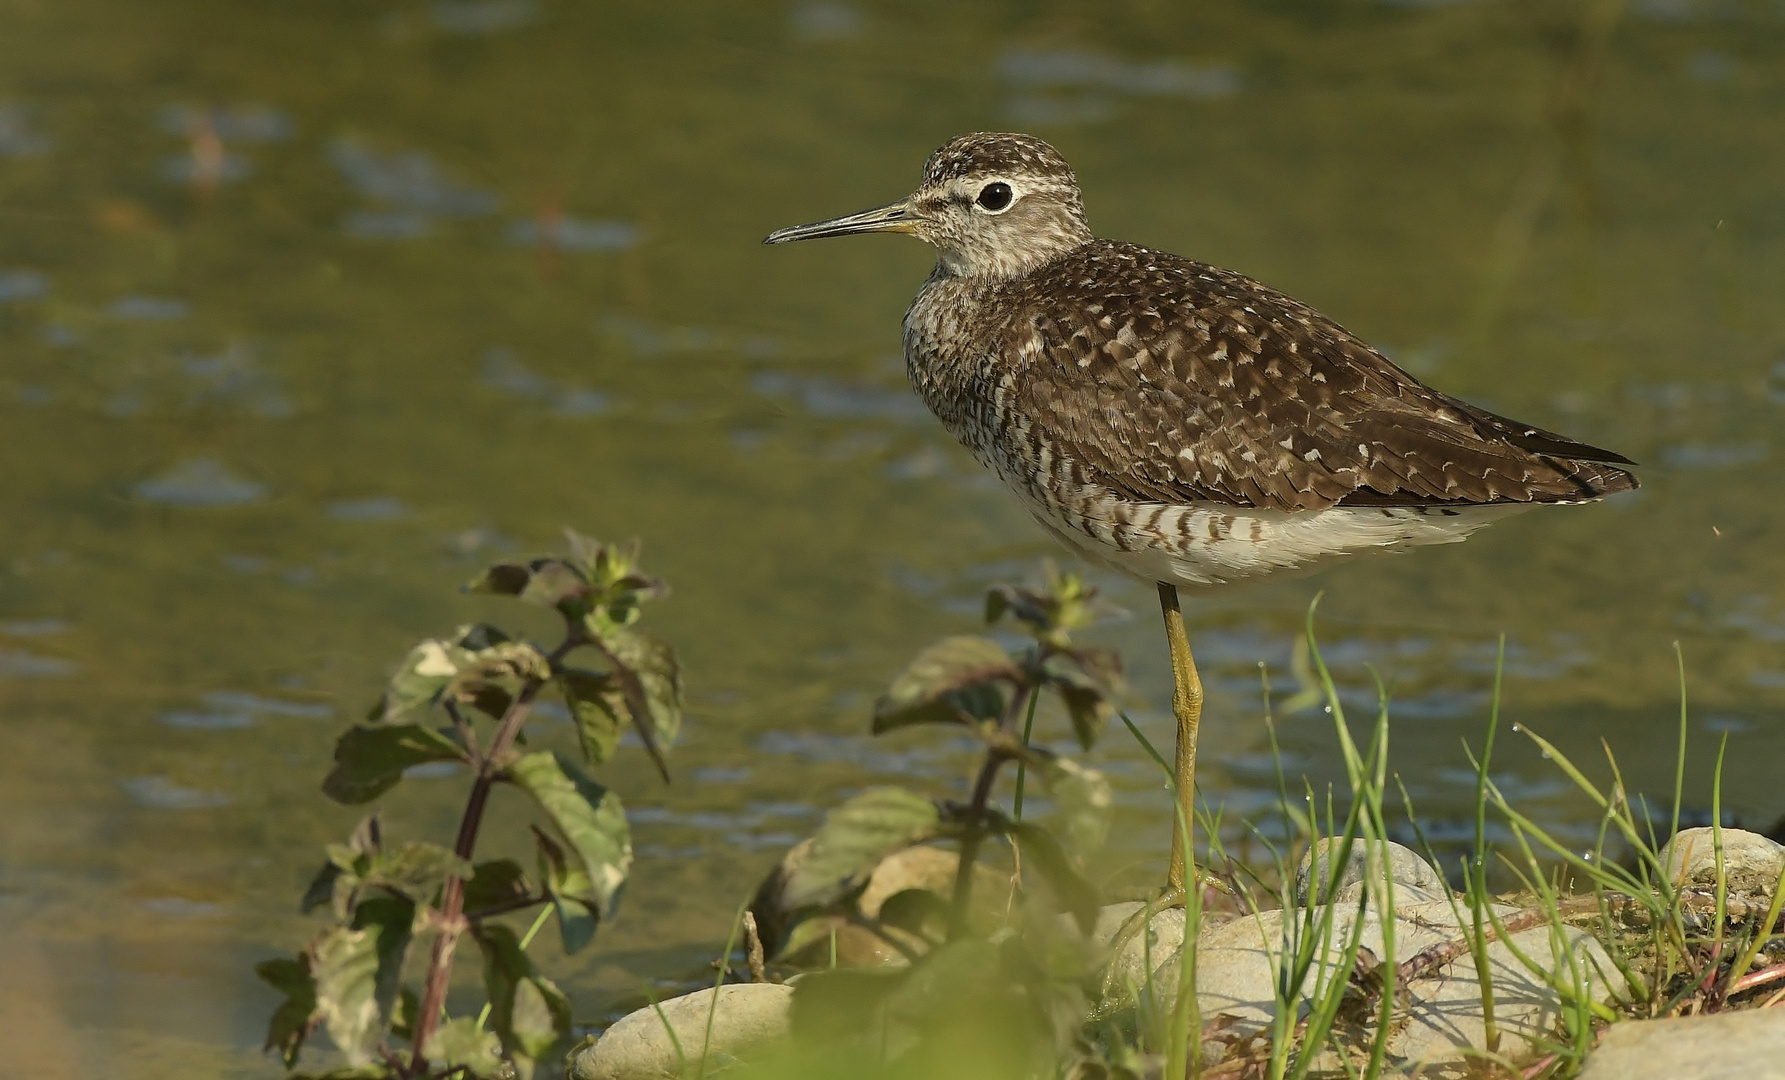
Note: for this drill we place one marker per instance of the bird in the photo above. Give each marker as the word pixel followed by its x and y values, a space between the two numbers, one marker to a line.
pixel 1176 422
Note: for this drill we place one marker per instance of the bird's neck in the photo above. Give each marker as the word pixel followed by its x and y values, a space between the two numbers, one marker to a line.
pixel 976 259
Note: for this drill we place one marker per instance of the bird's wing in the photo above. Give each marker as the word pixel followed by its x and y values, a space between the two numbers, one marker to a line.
pixel 1167 380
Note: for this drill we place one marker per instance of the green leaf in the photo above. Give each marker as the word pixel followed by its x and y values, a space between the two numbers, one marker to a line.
pixel 462 1043
pixel 293 1019
pixel 341 877
pixel 322 890
pixel 510 662
pixel 529 1013
pixel 1086 680
pixel 490 699
pixel 549 582
pixel 853 840
pixel 960 976
pixel 585 551
pixel 424 673
pixel 1065 603
pixel 403 1013
pixel 1043 852
pixel 501 579
pixel 570 891
pixel 620 587
pixel 370 760
pixel 344 962
pixel 588 816
pixel 650 680
pixel 951 682
pixel 600 709
pixel 499 881
pixel 919 911
pixel 416 869
pixel 357 971
pixel 827 1004
pixel 463 668
pixel 1083 796
pixel 477 637
pixel 391 921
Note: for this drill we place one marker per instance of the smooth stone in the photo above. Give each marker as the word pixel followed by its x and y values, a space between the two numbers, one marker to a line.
pixel 1751 862
pixel 1126 972
pixel 1236 968
pixel 638 1047
pixel 920 867
pixel 1415 879
pixel 1747 1044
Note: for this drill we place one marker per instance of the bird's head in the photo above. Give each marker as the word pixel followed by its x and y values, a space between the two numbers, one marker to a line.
pixel 993 205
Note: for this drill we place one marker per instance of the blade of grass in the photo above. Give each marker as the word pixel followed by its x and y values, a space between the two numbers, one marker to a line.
pixel 526 940
pixel 669 1029
pixel 1477 879
pixel 731 942
pixel 1679 769
pixel 1717 853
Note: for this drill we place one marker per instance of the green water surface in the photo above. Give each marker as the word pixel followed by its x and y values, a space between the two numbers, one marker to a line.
pixel 284 357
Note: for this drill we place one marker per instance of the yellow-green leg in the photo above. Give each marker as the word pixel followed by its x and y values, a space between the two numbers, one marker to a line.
pixel 1186 706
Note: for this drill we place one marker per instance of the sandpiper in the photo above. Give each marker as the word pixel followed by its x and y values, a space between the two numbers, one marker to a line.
pixel 1177 422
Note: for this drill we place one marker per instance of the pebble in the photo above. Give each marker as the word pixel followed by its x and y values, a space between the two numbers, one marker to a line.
pixel 1745 1045
pixel 747 1017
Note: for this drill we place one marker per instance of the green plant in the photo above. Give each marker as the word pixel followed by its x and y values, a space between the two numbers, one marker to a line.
pixel 1678 947
pixel 381 896
pixel 1003 985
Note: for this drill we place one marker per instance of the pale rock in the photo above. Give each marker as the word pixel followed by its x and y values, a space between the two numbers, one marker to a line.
pixel 1748 1044
pixel 919 867
pixel 1136 956
pixel 1236 969
pixel 1751 862
pixel 1414 878
pixel 747 1016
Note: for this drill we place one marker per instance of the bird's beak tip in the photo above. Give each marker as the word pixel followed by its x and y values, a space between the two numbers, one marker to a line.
pixel 894 217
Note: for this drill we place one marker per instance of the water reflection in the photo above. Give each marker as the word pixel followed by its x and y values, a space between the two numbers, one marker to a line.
pixel 149 308
pixel 18 139
pixel 372 508
pixel 413 188
pixel 18 285
pixel 161 793
pixel 482 16
pixel 203 482
pixel 573 234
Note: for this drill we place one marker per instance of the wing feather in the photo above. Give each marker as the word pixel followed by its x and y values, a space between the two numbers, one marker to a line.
pixel 1170 380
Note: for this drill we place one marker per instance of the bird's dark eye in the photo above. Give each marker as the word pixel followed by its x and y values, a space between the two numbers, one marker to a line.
pixel 995 196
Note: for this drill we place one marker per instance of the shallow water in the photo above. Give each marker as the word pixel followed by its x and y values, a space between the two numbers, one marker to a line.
pixel 306 310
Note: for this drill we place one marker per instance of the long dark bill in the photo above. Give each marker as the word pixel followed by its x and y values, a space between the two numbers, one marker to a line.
pixel 894 217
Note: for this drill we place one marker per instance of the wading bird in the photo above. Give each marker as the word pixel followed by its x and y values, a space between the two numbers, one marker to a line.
pixel 1180 423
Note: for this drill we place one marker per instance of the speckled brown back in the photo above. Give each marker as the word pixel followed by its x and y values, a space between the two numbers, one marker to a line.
pixel 1166 380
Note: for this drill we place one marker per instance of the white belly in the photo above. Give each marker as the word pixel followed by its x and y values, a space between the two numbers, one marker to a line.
pixel 1215 544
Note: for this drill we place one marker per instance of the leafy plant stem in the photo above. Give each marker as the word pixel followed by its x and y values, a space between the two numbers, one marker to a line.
pixel 1016 808
pixel 970 841
pixel 452 900
pixel 466 734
